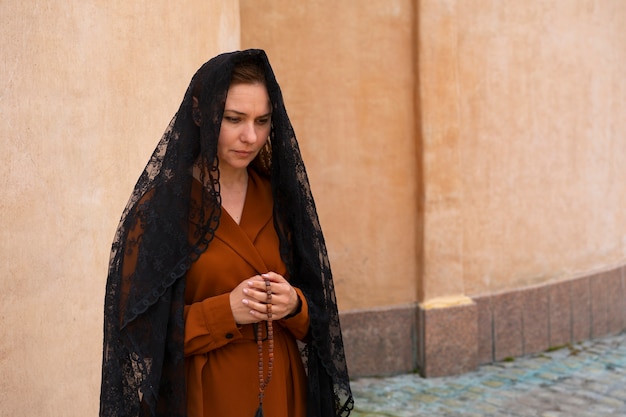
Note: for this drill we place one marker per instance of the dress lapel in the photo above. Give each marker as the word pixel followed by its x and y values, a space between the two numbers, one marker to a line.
pixel 257 213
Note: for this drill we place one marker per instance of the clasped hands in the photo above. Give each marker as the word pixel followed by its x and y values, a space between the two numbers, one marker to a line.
pixel 248 299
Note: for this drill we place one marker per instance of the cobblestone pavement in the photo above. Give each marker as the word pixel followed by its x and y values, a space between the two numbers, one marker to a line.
pixel 583 380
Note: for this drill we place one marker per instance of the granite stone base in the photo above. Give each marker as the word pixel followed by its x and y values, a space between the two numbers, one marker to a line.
pixel 380 341
pixel 448 340
pixel 456 339
pixel 531 320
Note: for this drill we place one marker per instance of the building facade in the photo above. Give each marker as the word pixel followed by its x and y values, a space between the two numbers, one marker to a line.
pixel 468 160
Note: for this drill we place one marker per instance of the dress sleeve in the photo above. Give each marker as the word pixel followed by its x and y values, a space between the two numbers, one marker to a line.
pixel 298 324
pixel 209 324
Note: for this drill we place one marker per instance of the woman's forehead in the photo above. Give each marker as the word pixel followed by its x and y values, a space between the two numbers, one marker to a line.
pixel 247 96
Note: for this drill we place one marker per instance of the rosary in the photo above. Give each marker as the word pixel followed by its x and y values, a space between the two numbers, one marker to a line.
pixel 264 381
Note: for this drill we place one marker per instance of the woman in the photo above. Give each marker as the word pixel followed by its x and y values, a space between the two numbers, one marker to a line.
pixel 220 300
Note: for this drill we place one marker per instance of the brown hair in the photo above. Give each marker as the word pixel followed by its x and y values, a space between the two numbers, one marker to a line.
pixel 248 72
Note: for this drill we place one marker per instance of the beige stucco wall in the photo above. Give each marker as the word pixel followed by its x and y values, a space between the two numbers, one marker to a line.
pixel 346 72
pixel 524 139
pixel 456 147
pixel 87 90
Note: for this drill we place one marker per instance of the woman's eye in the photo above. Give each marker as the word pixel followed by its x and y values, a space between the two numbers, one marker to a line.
pixel 231 119
pixel 263 121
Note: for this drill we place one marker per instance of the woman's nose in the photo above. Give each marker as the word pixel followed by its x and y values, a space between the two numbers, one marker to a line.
pixel 249 133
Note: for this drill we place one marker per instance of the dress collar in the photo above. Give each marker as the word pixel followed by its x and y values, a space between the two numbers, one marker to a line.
pixel 257 213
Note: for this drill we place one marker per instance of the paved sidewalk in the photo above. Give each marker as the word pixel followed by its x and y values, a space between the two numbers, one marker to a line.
pixel 583 380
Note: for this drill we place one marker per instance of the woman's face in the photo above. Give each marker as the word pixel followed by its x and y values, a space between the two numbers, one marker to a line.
pixel 245 126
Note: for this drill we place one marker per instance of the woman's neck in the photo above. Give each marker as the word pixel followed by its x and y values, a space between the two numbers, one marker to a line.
pixel 233 180
pixel 229 179
pixel 233 190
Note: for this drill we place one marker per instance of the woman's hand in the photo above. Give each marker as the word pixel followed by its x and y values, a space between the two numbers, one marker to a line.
pixel 248 300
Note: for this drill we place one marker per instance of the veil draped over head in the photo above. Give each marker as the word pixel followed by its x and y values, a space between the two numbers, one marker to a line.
pixel 143 371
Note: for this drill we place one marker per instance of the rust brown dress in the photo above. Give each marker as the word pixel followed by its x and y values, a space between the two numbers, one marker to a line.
pixel 221 357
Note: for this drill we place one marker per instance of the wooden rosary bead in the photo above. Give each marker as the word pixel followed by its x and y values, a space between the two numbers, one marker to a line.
pixel 263 382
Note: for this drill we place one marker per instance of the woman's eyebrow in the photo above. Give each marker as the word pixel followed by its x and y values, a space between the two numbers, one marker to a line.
pixel 245 114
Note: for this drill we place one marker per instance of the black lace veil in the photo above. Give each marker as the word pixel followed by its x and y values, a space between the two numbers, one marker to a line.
pixel 143 372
